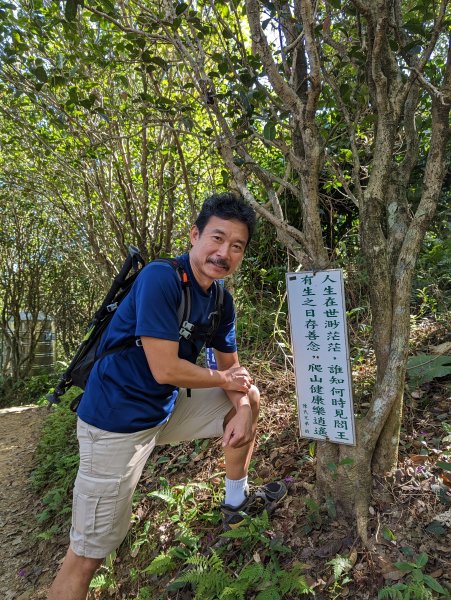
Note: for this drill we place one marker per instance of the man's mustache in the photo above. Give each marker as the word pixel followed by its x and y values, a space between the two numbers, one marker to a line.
pixel 219 262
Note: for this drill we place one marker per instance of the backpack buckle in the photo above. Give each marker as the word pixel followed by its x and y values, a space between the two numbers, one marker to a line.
pixel 186 330
pixel 112 307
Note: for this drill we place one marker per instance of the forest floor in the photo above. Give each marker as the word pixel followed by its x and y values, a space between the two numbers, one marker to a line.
pixel 410 512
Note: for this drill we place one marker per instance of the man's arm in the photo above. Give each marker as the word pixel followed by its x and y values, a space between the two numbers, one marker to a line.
pixel 238 431
pixel 168 368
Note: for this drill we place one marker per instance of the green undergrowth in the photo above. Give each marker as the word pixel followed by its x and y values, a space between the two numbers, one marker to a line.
pixel 179 550
pixel 56 466
pixel 193 555
pixel 30 390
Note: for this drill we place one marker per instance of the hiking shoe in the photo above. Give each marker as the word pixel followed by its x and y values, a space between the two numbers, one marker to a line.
pixel 266 497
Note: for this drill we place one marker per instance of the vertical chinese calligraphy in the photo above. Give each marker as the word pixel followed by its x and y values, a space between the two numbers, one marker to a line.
pixel 321 355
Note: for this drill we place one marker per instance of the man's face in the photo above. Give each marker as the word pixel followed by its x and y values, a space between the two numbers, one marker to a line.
pixel 218 251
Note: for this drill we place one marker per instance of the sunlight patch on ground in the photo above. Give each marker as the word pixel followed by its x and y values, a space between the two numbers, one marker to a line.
pixel 17 409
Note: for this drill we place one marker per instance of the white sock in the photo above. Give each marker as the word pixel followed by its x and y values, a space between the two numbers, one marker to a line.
pixel 235 491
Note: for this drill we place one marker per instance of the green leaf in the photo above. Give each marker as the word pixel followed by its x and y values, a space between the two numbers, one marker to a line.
pixel 426 367
pixel 269 131
pixel 59 60
pixel 236 533
pixel 435 528
pixel 422 560
pixel 109 7
pixel 157 60
pixel 223 67
pixel 433 584
pixel 70 10
pixel 388 534
pixel 41 73
pixel 176 23
pixel 176 585
pixel 405 566
pixel 446 466
pixel 180 8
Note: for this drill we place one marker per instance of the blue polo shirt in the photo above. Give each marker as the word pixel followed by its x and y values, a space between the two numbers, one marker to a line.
pixel 121 393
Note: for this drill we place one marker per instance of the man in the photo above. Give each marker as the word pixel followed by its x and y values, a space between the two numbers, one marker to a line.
pixel 138 397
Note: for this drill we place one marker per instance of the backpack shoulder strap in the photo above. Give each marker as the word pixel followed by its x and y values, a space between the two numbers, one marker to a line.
pixel 219 298
pixel 184 308
pixel 216 316
pixel 187 329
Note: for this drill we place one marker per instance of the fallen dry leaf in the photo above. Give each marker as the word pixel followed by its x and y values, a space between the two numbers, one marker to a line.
pixel 419 459
pixel 441 348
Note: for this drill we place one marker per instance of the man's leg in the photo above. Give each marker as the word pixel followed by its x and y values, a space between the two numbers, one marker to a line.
pixel 238 459
pixel 237 498
pixel 110 467
pixel 204 414
pixel 74 577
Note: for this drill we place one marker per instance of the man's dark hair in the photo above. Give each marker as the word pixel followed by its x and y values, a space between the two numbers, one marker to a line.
pixel 227 206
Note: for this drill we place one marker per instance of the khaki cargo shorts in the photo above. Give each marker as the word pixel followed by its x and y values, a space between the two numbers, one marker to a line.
pixel 111 465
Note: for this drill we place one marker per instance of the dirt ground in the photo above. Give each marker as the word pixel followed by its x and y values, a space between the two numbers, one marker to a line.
pixel 22 576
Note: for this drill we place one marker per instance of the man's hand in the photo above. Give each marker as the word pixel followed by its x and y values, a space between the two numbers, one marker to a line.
pixel 238 431
pixel 237 379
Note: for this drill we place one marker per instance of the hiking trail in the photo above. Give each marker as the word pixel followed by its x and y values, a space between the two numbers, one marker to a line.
pixel 25 573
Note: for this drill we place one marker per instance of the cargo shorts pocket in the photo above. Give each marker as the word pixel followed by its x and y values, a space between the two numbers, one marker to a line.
pixel 94 503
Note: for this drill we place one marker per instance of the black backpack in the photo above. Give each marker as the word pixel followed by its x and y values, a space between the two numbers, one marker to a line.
pixel 86 354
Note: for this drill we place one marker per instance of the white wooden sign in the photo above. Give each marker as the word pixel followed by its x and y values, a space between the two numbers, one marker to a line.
pixel 321 355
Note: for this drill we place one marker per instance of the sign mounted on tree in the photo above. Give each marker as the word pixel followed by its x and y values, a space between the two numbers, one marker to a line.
pixel 321 355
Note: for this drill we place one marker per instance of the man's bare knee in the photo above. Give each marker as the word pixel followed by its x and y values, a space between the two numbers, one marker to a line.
pixel 254 398
pixel 88 566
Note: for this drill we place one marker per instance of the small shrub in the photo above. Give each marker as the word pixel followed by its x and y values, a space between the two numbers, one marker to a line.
pixel 56 465
pixel 418 585
pixel 31 390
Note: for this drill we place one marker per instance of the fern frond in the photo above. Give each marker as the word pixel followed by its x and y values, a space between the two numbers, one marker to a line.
pixel 160 565
pixel 205 563
pixel 193 577
pixel 235 534
pixel 340 565
pixel 232 593
pixel 212 585
pixel 270 593
pixel 293 581
pixel 165 495
pixel 252 573
pixel 393 592
pixel 206 585
pixel 99 581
